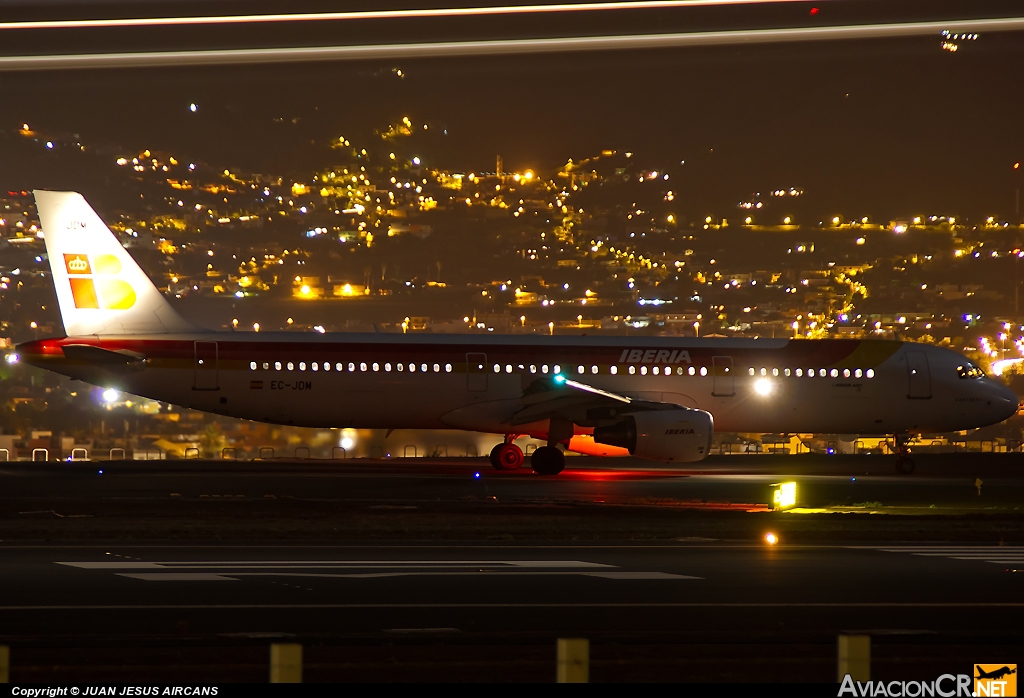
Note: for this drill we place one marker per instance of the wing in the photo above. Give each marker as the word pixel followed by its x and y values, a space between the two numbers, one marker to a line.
pixel 556 396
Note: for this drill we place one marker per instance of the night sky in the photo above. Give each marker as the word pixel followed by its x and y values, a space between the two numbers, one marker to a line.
pixel 884 128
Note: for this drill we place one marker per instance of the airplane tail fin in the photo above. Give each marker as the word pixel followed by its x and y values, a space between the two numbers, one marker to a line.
pixel 101 290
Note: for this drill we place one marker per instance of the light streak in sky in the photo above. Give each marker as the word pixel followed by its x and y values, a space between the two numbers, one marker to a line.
pixel 448 49
pixel 381 14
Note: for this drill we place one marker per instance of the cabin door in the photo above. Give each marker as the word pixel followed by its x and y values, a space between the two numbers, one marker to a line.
pixel 476 372
pixel 725 382
pixel 205 366
pixel 919 376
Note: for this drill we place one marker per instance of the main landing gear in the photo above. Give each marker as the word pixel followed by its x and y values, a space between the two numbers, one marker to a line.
pixel 506 455
pixel 904 462
pixel 546 460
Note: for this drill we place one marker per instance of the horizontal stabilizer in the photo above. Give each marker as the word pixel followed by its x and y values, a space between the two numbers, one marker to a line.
pixel 97 355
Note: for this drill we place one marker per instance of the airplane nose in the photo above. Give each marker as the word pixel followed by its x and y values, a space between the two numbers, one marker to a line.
pixel 1004 401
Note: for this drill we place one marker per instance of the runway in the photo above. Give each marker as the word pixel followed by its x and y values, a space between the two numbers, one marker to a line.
pixel 784 603
pixel 448 570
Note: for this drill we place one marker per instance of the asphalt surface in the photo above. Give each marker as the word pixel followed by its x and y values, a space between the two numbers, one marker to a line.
pixel 420 570
pixel 928 607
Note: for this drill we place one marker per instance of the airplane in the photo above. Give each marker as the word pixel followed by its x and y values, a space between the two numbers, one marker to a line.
pixel 994 674
pixel 656 398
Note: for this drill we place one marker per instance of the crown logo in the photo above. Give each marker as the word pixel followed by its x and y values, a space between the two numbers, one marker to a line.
pixel 78 264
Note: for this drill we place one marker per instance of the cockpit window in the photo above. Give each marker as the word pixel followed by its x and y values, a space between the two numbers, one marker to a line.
pixel 969 370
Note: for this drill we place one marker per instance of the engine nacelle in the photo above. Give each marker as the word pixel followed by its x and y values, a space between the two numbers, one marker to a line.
pixel 669 436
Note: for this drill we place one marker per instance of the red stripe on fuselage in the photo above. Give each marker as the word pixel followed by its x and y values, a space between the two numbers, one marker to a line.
pixel 796 353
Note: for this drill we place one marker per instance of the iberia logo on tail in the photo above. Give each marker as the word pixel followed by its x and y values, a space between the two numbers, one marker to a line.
pixel 93 282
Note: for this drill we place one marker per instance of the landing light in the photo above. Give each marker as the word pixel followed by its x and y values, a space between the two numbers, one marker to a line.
pixel 763 387
pixel 784 495
pixel 11 358
pixel 110 395
pixel 771 539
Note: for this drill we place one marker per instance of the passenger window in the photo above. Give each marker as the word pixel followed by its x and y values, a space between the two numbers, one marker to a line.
pixel 252 365
pixel 632 370
pixel 703 370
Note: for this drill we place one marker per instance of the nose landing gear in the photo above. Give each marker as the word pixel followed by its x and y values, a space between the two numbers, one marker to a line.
pixel 904 462
pixel 506 455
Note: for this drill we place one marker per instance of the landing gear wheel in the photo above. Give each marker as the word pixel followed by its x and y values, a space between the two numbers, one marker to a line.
pixel 905 465
pixel 547 460
pixel 507 456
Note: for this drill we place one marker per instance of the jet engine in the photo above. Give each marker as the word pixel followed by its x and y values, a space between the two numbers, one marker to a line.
pixel 669 436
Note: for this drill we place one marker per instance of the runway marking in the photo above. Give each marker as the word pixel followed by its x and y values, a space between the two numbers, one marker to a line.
pixel 227 575
pixel 375 564
pixel 181 577
pixel 401 606
pixel 995 554
pixel 368 569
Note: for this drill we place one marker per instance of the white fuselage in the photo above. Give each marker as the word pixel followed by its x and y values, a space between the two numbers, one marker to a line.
pixel 477 383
